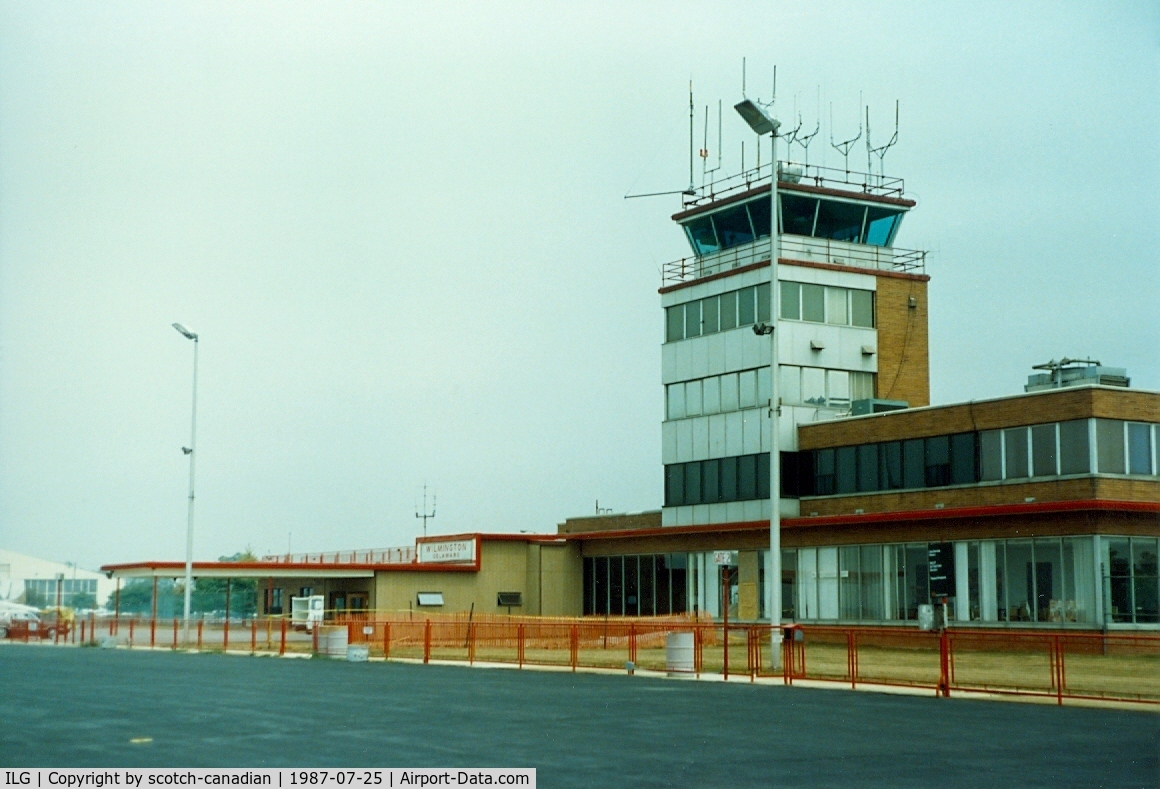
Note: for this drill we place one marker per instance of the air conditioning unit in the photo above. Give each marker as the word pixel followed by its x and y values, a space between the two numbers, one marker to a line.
pixel 875 406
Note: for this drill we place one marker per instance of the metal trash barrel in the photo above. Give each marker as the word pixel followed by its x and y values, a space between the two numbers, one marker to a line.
pixel 679 656
pixel 332 640
pixel 357 653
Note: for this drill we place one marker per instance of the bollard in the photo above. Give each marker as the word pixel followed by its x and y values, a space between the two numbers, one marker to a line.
pixel 427 641
pixel 574 646
pixel 253 636
pixel 152 632
pixel 520 644
pixel 386 641
pixel 200 625
pixel 282 647
pixel 175 632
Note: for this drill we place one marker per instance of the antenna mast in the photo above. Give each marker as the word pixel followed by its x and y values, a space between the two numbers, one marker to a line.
pixel 881 150
pixel 845 146
pixel 423 514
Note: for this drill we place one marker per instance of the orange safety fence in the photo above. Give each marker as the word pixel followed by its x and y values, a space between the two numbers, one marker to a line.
pixel 1060 664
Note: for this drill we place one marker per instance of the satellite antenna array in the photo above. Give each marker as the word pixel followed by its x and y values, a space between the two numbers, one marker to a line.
pixel 881 150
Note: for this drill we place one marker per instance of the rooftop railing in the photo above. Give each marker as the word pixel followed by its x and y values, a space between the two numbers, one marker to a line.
pixel 404 555
pixel 790 173
pixel 803 248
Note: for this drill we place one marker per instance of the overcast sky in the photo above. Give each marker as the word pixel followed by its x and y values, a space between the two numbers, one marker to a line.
pixel 402 235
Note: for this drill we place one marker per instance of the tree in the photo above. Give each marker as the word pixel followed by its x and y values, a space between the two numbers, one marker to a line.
pixel 209 594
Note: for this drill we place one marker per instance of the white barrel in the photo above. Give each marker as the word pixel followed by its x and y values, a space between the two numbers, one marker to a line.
pixel 679 652
pixel 357 653
pixel 333 640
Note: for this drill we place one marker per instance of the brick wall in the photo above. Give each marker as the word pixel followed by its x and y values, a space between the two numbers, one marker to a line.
pixel 618 522
pixel 1056 405
pixel 903 352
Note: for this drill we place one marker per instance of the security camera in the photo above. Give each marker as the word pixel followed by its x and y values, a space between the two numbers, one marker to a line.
pixel 187 450
pixel 762 328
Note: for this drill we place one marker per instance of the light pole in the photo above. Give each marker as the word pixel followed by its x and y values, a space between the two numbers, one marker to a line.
pixel 762 124
pixel 189 451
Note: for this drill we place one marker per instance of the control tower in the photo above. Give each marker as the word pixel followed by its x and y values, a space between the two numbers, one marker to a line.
pixel 851 329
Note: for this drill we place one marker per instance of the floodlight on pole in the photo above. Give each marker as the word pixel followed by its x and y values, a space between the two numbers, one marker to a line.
pixel 761 123
pixel 189 335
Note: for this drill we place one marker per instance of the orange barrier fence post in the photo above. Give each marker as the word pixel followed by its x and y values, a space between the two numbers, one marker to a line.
pixel 152 632
pixel 282 646
pixel 314 628
pixel 944 678
pixel 269 632
pixel 632 642
pixel 93 627
pixel 725 638
pixel 131 620
pixel 200 626
pixel 574 645
pixel 470 643
pixel 175 632
pixel 427 642
pixel 253 636
pixel 698 650
pixel 226 634
pixel 82 631
pixel 520 644
pixel 787 660
pixel 386 641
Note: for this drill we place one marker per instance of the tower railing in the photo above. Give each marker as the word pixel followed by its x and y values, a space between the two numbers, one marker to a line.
pixel 801 248
pixel 790 173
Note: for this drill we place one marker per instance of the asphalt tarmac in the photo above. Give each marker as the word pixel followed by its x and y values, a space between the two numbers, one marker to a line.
pixel 82 708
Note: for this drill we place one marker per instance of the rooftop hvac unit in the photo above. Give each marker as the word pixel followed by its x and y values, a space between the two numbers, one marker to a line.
pixel 875 406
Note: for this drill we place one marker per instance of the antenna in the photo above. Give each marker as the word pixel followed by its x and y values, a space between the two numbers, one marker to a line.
pixel 424 514
pixel 881 150
pixel 691 190
pixel 705 145
pixel 804 140
pixel 845 146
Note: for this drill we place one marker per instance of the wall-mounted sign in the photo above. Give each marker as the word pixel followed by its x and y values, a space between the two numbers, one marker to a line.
pixel 725 558
pixel 941 558
pixel 447 551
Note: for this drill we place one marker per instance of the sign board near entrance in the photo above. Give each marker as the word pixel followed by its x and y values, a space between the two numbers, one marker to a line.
pixel 941 558
pixel 447 551
pixel 724 558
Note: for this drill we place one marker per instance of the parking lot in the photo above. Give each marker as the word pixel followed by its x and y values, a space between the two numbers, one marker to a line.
pixel 96 707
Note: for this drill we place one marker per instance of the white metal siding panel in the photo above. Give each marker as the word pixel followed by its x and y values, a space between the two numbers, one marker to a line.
pixel 751 431
pixel 700 437
pixel 733 434
pixel 669 442
pixel 817 276
pixel 717 436
pixel 735 512
pixel 684 441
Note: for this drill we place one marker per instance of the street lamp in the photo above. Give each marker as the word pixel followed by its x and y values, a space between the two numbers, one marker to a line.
pixel 763 124
pixel 189 451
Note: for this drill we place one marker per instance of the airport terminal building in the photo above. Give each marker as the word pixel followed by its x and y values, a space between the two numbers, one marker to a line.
pixel 1046 502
